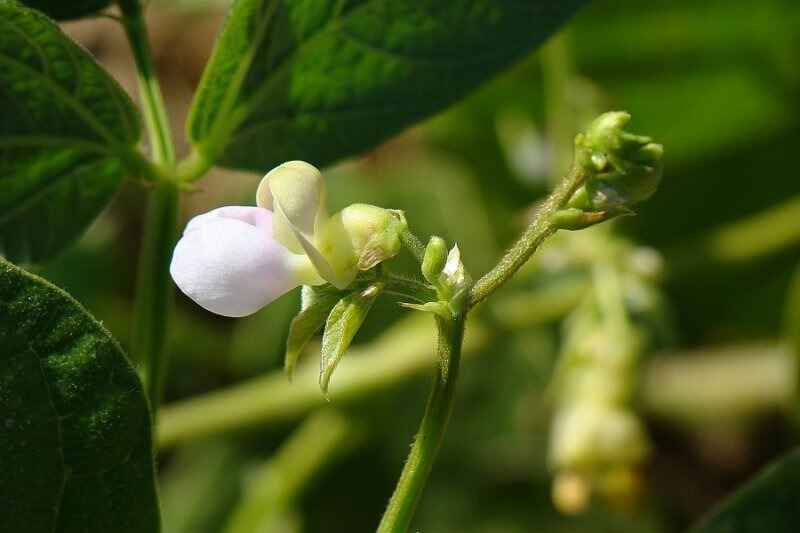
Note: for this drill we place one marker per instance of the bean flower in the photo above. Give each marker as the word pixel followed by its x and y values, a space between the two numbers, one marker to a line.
pixel 234 260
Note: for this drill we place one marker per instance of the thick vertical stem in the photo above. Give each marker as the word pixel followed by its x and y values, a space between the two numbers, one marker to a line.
pixel 154 292
pixel 400 510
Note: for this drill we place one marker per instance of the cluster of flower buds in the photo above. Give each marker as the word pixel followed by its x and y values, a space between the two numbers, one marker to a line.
pixel 621 169
pixel 235 260
pixel 598 442
pixel 445 272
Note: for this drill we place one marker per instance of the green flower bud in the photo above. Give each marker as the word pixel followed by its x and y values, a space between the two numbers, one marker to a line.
pixel 434 260
pixel 623 169
pixel 359 237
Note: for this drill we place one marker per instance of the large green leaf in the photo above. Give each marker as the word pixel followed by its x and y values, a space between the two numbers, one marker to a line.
pixel 323 79
pixel 66 129
pixel 75 445
pixel 68 10
pixel 768 503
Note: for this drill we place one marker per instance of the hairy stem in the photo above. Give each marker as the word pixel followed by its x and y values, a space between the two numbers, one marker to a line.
pixel 400 510
pixel 154 292
pixel 413 244
pixel 542 226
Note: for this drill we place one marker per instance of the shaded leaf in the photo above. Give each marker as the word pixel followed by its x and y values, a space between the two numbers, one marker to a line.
pixel 342 325
pixel 66 131
pixel 315 307
pixel 320 80
pixel 766 503
pixel 75 445
pixel 59 9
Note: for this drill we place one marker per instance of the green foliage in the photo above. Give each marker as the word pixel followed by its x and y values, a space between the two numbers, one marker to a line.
pixel 65 132
pixel 767 503
pixel 341 327
pixel 59 9
pixel 320 80
pixel 75 450
pixel 315 307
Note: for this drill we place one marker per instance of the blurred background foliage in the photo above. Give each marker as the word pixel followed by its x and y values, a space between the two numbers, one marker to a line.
pixel 717 82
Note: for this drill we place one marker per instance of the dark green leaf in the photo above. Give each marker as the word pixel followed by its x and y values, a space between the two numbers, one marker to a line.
pixel 323 79
pixel 767 503
pixel 315 307
pixel 66 129
pixel 60 9
pixel 342 325
pixel 75 445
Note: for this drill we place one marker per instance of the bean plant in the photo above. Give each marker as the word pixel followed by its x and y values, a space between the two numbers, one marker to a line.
pixel 292 87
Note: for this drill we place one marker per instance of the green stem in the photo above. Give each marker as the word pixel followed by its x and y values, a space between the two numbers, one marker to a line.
pixel 154 292
pixel 413 244
pixel 155 114
pixel 409 287
pixel 193 167
pixel 400 510
pixel 542 226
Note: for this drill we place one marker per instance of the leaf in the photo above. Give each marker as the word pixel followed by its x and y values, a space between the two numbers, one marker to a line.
pixel 767 503
pixel 59 9
pixel 66 130
pixel 315 307
pixel 75 445
pixel 342 325
pixel 323 79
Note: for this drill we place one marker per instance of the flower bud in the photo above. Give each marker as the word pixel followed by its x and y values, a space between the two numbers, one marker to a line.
pixel 358 238
pixel 434 260
pixel 622 169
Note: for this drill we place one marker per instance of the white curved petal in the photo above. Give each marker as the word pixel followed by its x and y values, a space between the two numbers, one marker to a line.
pixel 228 262
pixel 295 191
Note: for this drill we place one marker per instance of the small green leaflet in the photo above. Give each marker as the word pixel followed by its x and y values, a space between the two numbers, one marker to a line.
pixel 315 307
pixel 75 445
pixel 767 503
pixel 60 9
pixel 66 131
pixel 341 327
pixel 319 80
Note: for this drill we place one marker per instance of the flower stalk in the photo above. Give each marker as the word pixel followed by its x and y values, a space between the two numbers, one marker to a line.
pixel 400 510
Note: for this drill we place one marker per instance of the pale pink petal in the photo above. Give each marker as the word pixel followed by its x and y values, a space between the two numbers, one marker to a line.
pixel 228 262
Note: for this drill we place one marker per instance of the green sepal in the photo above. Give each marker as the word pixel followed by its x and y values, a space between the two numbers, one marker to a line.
pixel 439 308
pixel 315 305
pixel 344 321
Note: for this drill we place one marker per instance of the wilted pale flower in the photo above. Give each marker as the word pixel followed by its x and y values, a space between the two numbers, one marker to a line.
pixel 235 260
